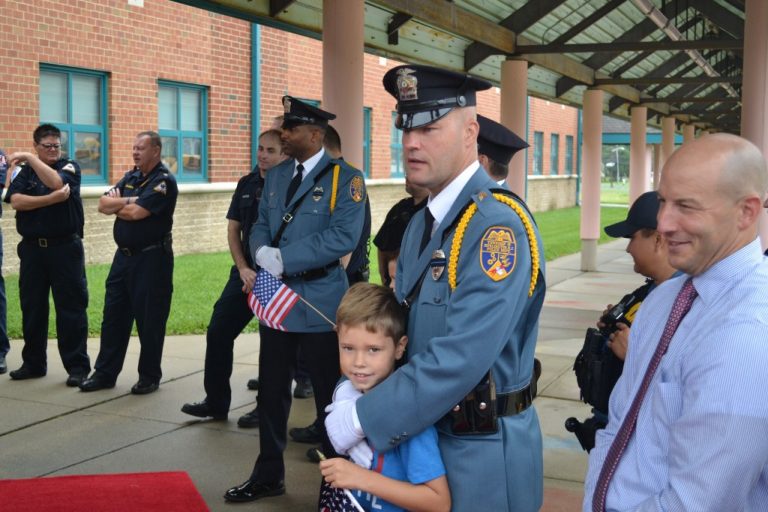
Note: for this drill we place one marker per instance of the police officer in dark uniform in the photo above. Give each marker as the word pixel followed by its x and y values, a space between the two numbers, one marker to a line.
pixel 5 345
pixel 140 282
pixel 390 235
pixel 311 214
pixel 45 192
pixel 231 313
pixel 496 145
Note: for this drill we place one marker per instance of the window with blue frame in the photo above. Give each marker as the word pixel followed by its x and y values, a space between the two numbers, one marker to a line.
pixel 538 152
pixel 75 100
pixel 183 123
pixel 569 154
pixel 395 150
pixel 554 154
pixel 367 141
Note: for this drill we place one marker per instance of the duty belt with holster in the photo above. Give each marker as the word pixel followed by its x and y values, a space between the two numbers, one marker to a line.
pixel 478 412
pixel 166 244
pixel 50 241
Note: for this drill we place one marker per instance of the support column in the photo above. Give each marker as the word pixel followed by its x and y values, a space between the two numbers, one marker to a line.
pixel 667 140
pixel 689 133
pixel 343 25
pixel 514 110
pixel 656 170
pixel 592 163
pixel 638 177
pixel 754 107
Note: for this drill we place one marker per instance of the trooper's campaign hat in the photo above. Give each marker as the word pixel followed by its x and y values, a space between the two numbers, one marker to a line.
pixel 425 94
pixel 297 112
pixel 642 215
pixel 497 142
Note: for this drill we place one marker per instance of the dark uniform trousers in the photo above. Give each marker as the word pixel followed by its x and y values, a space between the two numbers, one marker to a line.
pixel 230 316
pixel 60 269
pixel 138 287
pixel 277 364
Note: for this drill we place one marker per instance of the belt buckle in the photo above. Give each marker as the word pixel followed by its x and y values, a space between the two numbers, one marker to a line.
pixel 288 217
pixel 42 242
pixel 126 251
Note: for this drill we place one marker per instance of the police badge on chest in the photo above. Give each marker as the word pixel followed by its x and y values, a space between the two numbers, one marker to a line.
pixel 437 264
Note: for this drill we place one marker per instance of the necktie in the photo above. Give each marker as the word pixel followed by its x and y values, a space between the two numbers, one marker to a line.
pixel 293 186
pixel 429 220
pixel 680 307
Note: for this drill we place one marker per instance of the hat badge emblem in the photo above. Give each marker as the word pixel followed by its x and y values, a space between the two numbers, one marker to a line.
pixel 287 105
pixel 407 84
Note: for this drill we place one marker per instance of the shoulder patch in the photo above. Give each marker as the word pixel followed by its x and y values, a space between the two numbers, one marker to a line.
pixel 161 187
pixel 69 168
pixel 357 189
pixel 498 252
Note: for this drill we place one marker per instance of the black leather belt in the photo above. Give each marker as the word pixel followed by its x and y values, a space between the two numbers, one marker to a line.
pixel 50 241
pixel 509 404
pixel 128 251
pixel 315 273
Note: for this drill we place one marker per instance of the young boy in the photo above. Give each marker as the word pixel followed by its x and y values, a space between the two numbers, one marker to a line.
pixel 371 328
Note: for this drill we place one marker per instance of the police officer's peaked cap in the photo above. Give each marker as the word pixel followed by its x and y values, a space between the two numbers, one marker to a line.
pixel 297 112
pixel 642 215
pixel 425 94
pixel 497 142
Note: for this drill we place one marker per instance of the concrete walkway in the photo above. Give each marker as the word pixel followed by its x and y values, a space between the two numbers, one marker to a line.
pixel 47 429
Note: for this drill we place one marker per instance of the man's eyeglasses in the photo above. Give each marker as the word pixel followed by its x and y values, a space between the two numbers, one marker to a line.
pixel 51 146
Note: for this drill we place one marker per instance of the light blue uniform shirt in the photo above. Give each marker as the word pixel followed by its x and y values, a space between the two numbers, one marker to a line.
pixel 701 442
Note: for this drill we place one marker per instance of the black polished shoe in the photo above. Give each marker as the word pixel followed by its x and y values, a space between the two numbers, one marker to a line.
pixel 25 373
pixel 3 365
pixel 313 454
pixel 144 387
pixel 310 434
pixel 250 491
pixel 75 379
pixel 303 389
pixel 253 384
pixel 202 410
pixel 250 419
pixel 96 382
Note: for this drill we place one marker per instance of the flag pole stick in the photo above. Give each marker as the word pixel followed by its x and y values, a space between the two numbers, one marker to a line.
pixel 313 308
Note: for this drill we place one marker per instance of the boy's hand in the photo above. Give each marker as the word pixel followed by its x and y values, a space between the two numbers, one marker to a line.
pixel 342 474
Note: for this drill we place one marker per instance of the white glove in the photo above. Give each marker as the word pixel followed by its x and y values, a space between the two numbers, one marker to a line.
pixel 345 391
pixel 362 454
pixel 270 259
pixel 341 426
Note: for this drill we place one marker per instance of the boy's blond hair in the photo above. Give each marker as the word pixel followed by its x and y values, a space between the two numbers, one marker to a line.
pixel 372 306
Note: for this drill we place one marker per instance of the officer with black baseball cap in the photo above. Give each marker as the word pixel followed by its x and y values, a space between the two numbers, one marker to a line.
pixel 496 145
pixel 642 215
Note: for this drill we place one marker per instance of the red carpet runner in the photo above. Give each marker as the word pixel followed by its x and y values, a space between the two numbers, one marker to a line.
pixel 129 492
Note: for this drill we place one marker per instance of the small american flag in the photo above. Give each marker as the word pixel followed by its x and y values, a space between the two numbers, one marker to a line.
pixel 271 300
pixel 337 500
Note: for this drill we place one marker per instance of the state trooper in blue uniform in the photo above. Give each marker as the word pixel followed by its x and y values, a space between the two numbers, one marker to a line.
pixel 470 270
pixel 140 282
pixel 496 145
pixel 311 214
pixel 231 313
pixel 45 192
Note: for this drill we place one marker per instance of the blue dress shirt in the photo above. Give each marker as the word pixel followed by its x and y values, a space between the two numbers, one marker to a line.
pixel 701 442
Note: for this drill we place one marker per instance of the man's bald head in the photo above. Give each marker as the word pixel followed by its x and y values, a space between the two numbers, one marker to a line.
pixel 711 195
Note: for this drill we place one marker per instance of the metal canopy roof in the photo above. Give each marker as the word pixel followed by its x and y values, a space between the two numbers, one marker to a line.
pixel 677 57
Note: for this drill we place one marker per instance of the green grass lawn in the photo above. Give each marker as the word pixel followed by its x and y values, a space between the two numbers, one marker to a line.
pixel 614 193
pixel 199 278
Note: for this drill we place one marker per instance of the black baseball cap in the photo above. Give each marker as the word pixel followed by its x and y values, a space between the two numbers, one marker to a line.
pixel 425 94
pixel 642 215
pixel 497 142
pixel 296 112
